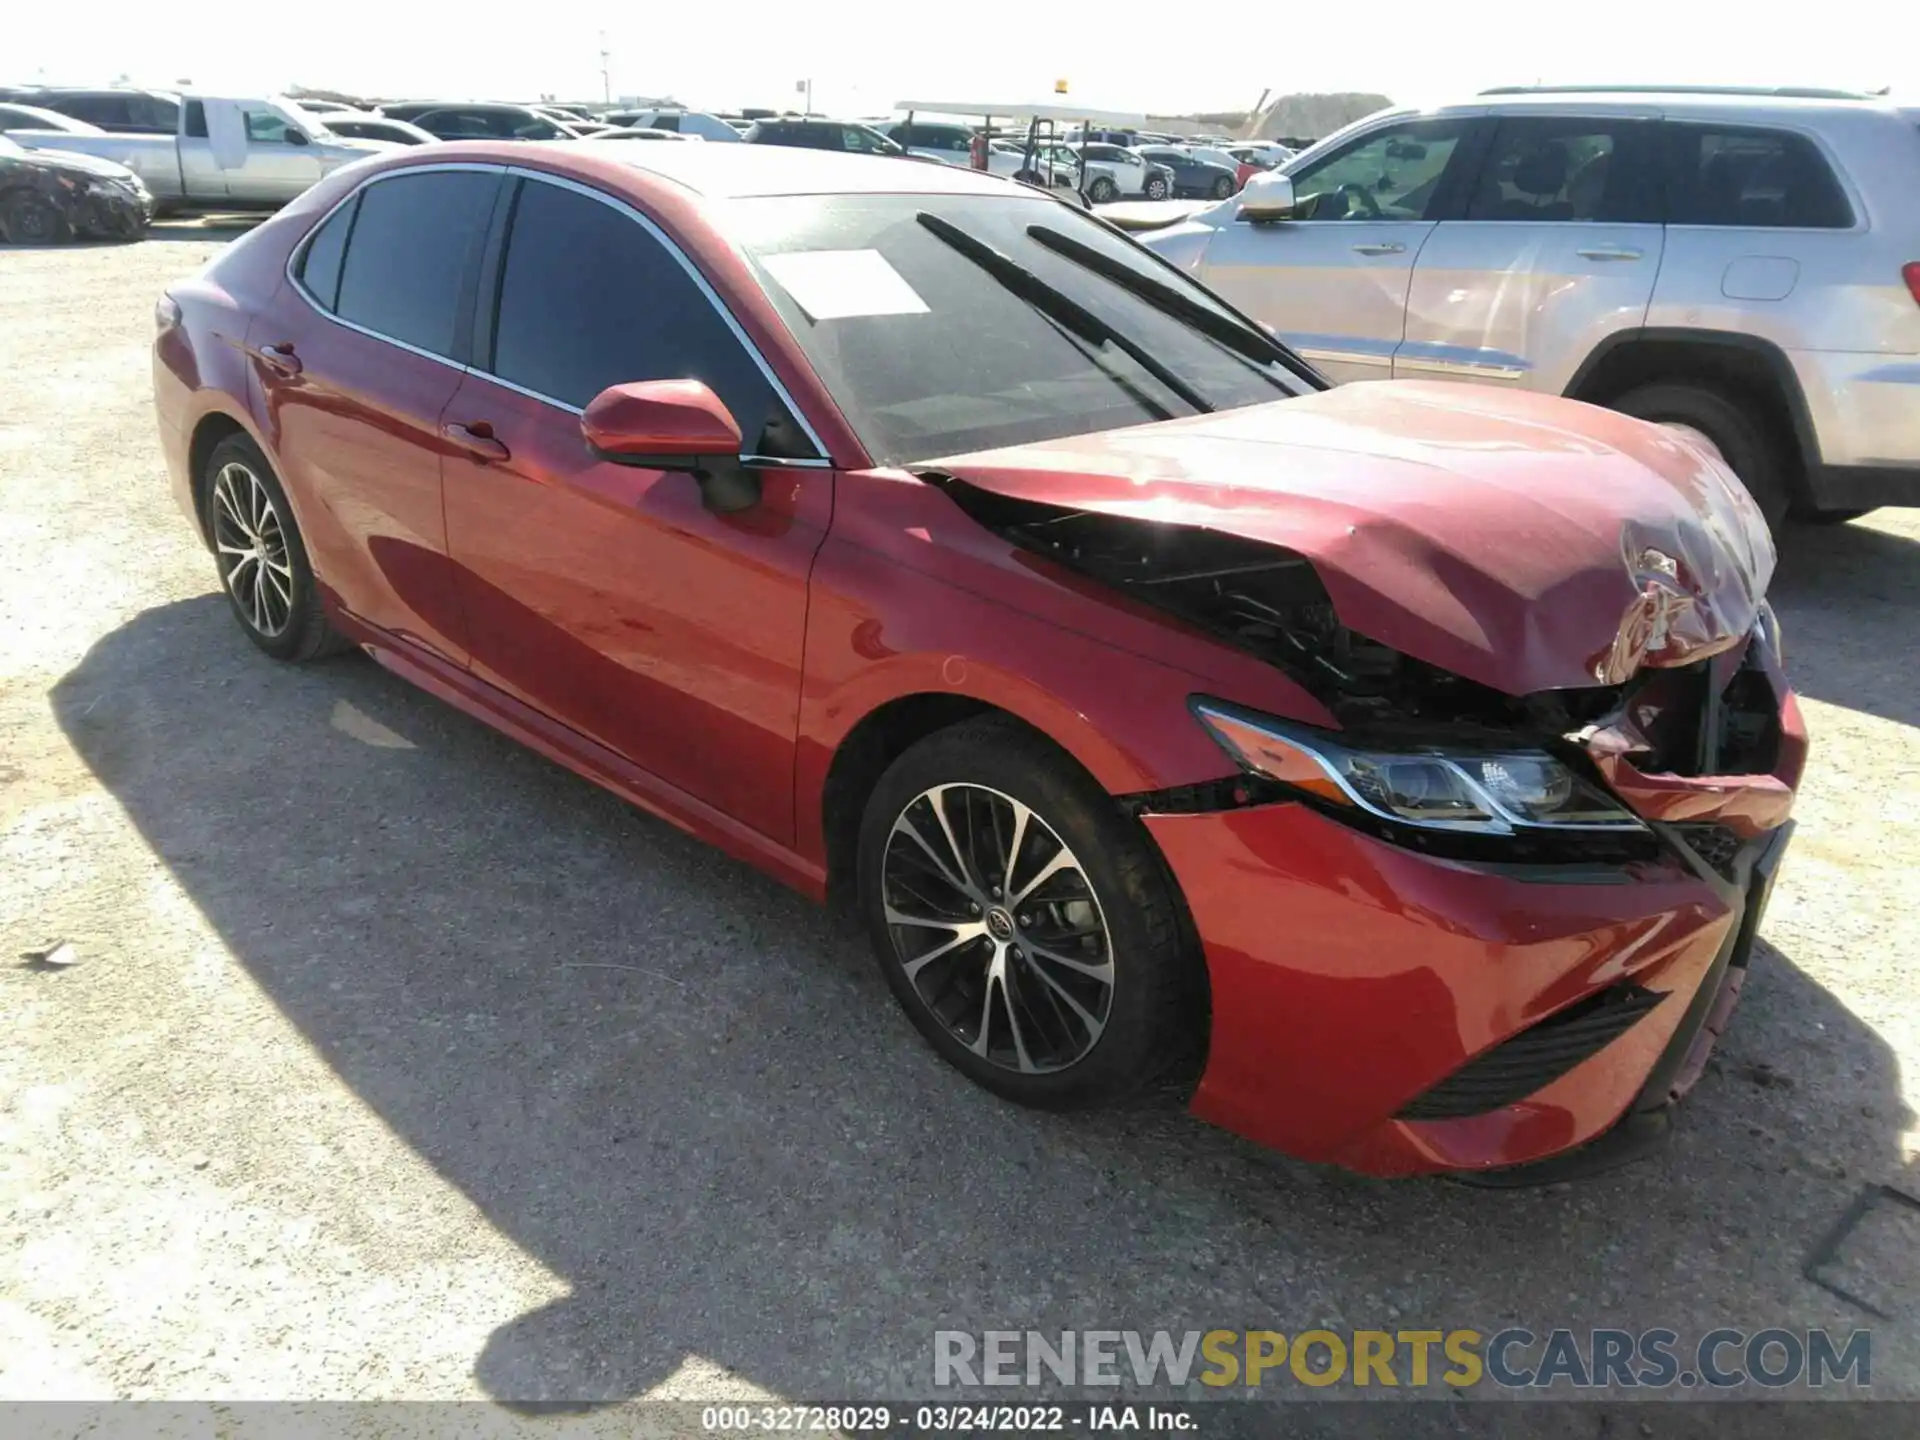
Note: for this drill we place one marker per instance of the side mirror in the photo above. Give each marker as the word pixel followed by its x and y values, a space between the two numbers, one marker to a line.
pixel 295 137
pixel 673 425
pixel 1267 197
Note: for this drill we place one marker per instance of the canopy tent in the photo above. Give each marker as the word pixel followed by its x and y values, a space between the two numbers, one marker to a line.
pixel 1054 110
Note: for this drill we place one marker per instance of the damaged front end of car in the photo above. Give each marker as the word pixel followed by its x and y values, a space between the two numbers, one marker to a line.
pixel 1641 806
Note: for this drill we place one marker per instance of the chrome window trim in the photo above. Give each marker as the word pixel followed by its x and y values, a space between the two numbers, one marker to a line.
pixel 299 251
pixel 713 298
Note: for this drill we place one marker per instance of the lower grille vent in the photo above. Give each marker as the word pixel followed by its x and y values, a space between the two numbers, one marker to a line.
pixel 1534 1058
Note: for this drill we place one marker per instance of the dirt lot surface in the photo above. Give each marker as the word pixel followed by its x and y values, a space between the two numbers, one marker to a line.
pixel 399 1062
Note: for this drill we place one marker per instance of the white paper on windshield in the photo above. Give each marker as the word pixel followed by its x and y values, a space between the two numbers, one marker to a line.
pixel 844 284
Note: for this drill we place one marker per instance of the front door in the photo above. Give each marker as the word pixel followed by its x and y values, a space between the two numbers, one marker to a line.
pixel 1558 249
pixel 1333 280
pixel 608 596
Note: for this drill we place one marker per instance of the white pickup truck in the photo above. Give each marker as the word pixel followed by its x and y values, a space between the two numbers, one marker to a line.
pixel 228 154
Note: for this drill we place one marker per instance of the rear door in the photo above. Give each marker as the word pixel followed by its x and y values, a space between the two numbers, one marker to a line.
pixel 1558 248
pixel 1334 279
pixel 357 356
pixel 607 596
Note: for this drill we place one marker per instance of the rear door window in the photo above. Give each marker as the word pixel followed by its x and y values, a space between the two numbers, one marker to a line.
pixel 319 267
pixel 1548 168
pixel 1756 178
pixel 413 242
pixel 590 298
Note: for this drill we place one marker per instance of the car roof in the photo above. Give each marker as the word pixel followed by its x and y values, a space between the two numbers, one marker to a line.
pixel 740 171
pixel 1674 101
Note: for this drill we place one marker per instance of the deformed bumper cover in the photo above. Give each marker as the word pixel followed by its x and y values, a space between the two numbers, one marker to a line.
pixel 1349 975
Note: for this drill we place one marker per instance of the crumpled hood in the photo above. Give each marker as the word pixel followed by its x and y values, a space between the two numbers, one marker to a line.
pixel 72 162
pixel 1522 541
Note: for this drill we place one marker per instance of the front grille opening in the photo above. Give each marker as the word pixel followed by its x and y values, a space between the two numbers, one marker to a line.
pixel 1715 844
pixel 1535 1058
pixel 1692 730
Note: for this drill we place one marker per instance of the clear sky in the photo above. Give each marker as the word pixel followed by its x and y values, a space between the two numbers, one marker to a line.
pixel 862 55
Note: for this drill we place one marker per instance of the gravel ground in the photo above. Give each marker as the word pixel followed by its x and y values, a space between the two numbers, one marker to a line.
pixel 399 1062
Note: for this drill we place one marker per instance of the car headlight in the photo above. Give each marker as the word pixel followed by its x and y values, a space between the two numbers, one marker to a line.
pixel 1489 792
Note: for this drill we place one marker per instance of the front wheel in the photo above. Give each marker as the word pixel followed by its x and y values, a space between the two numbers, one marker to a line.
pixel 30 219
pixel 261 560
pixel 1749 446
pixel 1222 187
pixel 1156 187
pixel 1102 190
pixel 1025 923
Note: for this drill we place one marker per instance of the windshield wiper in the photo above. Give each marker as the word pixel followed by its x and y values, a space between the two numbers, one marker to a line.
pixel 1056 305
pixel 1244 339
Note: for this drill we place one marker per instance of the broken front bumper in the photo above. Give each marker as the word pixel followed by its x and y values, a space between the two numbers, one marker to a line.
pixel 1398 1014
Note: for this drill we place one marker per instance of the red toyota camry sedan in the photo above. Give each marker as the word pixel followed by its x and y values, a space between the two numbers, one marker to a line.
pixel 1409 761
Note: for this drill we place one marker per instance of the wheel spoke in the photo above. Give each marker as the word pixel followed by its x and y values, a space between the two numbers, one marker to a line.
pixel 1087 1018
pixel 1101 971
pixel 904 826
pixel 963 935
pixel 983 1039
pixel 1010 855
pixel 937 801
pixel 1013 1020
pixel 1062 860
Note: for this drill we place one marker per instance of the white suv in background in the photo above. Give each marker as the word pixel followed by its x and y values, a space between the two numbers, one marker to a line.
pixel 1744 263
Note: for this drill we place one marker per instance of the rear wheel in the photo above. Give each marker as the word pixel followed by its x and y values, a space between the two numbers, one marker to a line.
pixel 1750 447
pixel 30 219
pixel 1156 187
pixel 1102 190
pixel 260 557
pixel 1222 187
pixel 1025 924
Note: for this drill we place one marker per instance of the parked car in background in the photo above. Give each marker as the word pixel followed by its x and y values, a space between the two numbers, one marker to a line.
pixel 1417 758
pixel 230 154
pixel 1266 153
pixel 1193 178
pixel 815 133
pixel 1744 265
pixel 479 120
pixel 355 125
pixel 688 122
pixel 953 145
pixel 1113 173
pixel 35 121
pixel 118 110
pixel 634 132
pixel 325 107
pixel 49 196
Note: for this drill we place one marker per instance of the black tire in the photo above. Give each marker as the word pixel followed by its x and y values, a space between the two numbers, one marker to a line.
pixel 1222 187
pixel 1157 188
pixel 1153 1008
pixel 302 632
pixel 1750 446
pixel 27 218
pixel 1102 190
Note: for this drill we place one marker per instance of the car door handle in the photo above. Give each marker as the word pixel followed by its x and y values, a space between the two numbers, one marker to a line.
pixel 1381 247
pixel 477 440
pixel 278 358
pixel 1608 252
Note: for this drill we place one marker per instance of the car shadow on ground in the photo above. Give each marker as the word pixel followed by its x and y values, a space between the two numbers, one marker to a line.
pixel 685 1091
pixel 1842 591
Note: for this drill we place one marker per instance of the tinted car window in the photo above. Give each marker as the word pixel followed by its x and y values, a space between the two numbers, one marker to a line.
pixel 153 112
pixel 1391 174
pixel 589 298
pixel 411 245
pixel 196 126
pixel 1550 168
pixel 1724 176
pixel 320 262
pixel 109 112
pixel 266 128
pixel 929 354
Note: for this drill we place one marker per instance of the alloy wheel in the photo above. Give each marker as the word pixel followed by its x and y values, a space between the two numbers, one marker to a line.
pixel 250 539
pixel 997 928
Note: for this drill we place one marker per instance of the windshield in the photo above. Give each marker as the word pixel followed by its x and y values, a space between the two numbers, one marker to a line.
pixel 949 323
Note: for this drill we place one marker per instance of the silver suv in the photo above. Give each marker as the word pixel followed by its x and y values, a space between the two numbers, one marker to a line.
pixel 1746 264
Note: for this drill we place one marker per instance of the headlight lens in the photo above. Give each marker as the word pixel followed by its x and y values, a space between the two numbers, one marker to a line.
pixel 1489 792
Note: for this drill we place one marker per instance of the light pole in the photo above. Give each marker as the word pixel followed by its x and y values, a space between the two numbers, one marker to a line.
pixel 606 85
